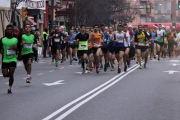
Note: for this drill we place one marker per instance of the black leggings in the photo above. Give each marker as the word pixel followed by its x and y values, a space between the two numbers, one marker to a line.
pixel 170 47
pixel 132 52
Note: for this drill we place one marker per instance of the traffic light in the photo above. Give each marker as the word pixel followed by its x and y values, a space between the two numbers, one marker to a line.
pixel 54 15
pixel 148 9
pixel 178 4
pixel 174 25
pixel 24 13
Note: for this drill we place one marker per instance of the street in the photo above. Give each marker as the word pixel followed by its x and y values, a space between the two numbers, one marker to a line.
pixel 152 93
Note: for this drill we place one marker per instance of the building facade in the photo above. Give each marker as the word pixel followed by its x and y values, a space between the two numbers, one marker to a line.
pixel 162 11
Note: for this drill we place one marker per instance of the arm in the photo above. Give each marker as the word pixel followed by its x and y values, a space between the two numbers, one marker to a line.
pixel 1 47
pixel 112 38
pixel 126 38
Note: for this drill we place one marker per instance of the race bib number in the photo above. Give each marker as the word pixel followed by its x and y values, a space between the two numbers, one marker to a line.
pixel 96 44
pixel 56 35
pixel 28 45
pixel 83 47
pixel 141 43
pixel 10 52
pixel 56 40
pixel 71 42
pixel 120 39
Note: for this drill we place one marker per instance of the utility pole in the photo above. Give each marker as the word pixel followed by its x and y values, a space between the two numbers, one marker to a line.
pixel 52 14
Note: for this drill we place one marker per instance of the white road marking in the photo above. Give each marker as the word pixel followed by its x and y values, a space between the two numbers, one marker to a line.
pixel 61 68
pixel 78 72
pixel 59 82
pixel 25 78
pixel 7 83
pixel 51 70
pixel 92 96
pixel 174 61
pixel 83 96
pixel 176 64
pixel 1 75
pixel 171 71
pixel 40 73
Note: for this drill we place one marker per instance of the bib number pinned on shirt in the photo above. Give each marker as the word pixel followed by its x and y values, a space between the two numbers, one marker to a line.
pixel 10 52
pixel 96 44
pixel 28 45
pixel 56 40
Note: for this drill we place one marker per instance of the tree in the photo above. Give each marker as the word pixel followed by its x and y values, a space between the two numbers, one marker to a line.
pixel 89 12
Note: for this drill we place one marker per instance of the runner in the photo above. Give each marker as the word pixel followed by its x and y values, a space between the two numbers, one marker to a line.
pixel 170 43
pixel 96 46
pixel 90 53
pixel 63 45
pixel 132 46
pixel 160 40
pixel 27 50
pixel 111 46
pixel 147 44
pixel 56 46
pixel 104 46
pixel 153 35
pixel 119 38
pixel 82 38
pixel 8 47
pixel 127 46
pixel 140 40
pixel 72 46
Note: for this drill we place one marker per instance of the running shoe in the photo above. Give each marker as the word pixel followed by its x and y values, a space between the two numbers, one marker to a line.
pixel 119 69
pixel 140 67
pixel 28 80
pixel 98 69
pixel 9 91
pixel 125 69
pixel 52 60
pixel 105 67
pixel 144 65
pixel 158 59
pixel 56 64
pixel 150 58
pixel 70 62
pixel 112 69
pixel 75 59
pixel 83 72
pixel 79 62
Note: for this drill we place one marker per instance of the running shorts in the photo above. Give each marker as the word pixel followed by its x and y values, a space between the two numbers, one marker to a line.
pixel 8 65
pixel 27 57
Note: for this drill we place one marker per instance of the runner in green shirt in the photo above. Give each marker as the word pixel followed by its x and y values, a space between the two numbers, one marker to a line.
pixel 82 38
pixel 8 45
pixel 27 50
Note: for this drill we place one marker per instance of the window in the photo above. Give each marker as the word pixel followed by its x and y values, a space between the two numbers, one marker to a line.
pixel 143 19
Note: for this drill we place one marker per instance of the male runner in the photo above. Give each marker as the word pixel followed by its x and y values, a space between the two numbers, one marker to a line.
pixel 105 46
pixel 82 38
pixel 56 46
pixel 140 40
pixel 111 46
pixel 96 38
pixel 27 50
pixel 8 47
pixel 160 40
pixel 127 46
pixel 119 37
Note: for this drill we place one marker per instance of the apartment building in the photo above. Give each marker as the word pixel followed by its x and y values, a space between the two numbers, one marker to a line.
pixel 162 11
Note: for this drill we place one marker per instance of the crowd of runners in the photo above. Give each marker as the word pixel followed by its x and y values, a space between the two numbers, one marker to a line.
pixel 95 48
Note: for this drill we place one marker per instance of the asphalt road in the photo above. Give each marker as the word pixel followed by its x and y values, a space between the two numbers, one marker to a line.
pixel 64 93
